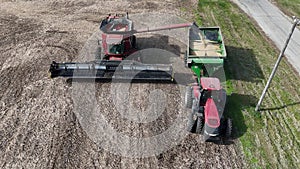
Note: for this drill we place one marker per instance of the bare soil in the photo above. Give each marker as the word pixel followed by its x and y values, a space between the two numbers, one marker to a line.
pixel 38 127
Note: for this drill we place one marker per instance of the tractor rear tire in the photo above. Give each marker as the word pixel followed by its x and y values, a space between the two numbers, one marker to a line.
pixel 199 125
pixel 188 97
pixel 228 128
pixel 191 123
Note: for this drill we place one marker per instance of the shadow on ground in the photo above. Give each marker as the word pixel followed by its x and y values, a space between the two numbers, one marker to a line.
pixel 280 107
pixel 236 103
pixel 158 41
pixel 242 65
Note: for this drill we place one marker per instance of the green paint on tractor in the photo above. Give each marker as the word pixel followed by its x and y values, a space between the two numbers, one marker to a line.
pixel 206 51
pixel 205 66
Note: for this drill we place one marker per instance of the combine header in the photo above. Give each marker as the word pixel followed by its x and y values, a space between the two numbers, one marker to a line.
pixel 117 43
pixel 110 69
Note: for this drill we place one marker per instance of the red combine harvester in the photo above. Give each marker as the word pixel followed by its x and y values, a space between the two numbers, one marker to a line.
pixel 117 43
pixel 207 102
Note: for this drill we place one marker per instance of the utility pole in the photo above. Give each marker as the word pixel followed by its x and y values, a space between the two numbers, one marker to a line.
pixel 296 22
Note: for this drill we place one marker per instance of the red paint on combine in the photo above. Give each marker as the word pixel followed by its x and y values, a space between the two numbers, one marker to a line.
pixel 115 58
pixel 118 39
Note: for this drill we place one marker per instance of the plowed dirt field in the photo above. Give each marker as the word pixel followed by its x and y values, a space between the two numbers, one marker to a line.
pixel 38 126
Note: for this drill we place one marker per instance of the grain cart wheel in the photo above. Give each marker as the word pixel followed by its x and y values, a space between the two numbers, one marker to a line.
pixel 191 123
pixel 200 124
pixel 228 128
pixel 185 59
pixel 188 97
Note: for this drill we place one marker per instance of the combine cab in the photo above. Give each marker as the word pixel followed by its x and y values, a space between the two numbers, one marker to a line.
pixel 206 98
pixel 117 42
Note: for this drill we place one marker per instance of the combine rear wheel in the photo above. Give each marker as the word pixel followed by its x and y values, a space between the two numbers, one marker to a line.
pixel 228 128
pixel 98 53
pixel 188 97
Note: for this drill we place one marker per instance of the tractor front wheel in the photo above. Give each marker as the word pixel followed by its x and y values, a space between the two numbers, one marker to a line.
pixel 134 41
pixel 191 123
pixel 188 97
pixel 228 128
pixel 200 123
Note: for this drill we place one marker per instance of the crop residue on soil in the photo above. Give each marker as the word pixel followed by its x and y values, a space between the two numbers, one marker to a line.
pixel 38 127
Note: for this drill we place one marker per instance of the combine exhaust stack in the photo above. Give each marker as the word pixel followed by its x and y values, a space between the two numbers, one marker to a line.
pixel 105 69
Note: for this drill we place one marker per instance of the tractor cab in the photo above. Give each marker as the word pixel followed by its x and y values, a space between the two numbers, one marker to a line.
pixel 211 88
pixel 207 102
pixel 213 99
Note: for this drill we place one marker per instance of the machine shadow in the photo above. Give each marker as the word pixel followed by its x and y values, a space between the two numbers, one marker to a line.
pixel 236 103
pixel 91 80
pixel 241 64
pixel 179 78
pixel 158 41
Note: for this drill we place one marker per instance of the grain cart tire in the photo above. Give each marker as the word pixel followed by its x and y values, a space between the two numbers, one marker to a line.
pixel 188 97
pixel 185 59
pixel 199 125
pixel 228 128
pixel 191 123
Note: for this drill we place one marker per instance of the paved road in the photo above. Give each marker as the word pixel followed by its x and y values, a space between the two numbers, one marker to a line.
pixel 276 25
